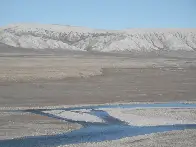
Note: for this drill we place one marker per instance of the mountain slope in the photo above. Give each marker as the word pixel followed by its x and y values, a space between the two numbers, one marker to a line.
pixel 39 36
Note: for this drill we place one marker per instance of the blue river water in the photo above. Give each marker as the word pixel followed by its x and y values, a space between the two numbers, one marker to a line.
pixel 111 129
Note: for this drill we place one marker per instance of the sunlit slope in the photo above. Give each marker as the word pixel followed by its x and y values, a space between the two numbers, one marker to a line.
pixel 39 36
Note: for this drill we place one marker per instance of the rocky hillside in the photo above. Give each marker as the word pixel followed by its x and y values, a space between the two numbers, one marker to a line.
pixel 84 39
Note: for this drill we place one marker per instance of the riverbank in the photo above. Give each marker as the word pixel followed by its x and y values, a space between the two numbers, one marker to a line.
pixel 16 125
pixel 94 123
pixel 166 139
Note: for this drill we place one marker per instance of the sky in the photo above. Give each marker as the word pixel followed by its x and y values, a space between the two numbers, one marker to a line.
pixel 102 14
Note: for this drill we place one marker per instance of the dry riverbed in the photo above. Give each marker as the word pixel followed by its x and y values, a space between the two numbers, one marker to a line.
pixel 14 125
pixel 32 80
pixel 185 138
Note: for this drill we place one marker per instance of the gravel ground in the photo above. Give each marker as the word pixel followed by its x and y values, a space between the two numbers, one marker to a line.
pixel 177 113
pixel 154 116
pixel 14 125
pixel 185 138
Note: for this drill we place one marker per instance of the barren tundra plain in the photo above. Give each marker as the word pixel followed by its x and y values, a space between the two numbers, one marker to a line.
pixel 46 80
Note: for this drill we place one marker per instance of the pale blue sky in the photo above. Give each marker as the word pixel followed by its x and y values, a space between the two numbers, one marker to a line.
pixel 106 14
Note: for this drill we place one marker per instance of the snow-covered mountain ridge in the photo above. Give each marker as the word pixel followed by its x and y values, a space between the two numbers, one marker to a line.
pixel 85 39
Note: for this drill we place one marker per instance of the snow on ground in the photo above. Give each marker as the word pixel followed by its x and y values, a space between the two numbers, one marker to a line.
pixel 40 36
pixel 136 117
pixel 154 116
pixel 78 116
pixel 31 124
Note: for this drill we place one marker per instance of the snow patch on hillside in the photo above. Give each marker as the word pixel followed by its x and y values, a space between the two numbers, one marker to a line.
pixel 39 36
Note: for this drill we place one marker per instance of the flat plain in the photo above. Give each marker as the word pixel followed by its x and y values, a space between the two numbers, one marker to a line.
pixel 33 78
pixel 43 78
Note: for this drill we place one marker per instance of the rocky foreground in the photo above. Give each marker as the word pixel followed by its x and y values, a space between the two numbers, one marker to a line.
pixel 166 139
pixel 95 125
